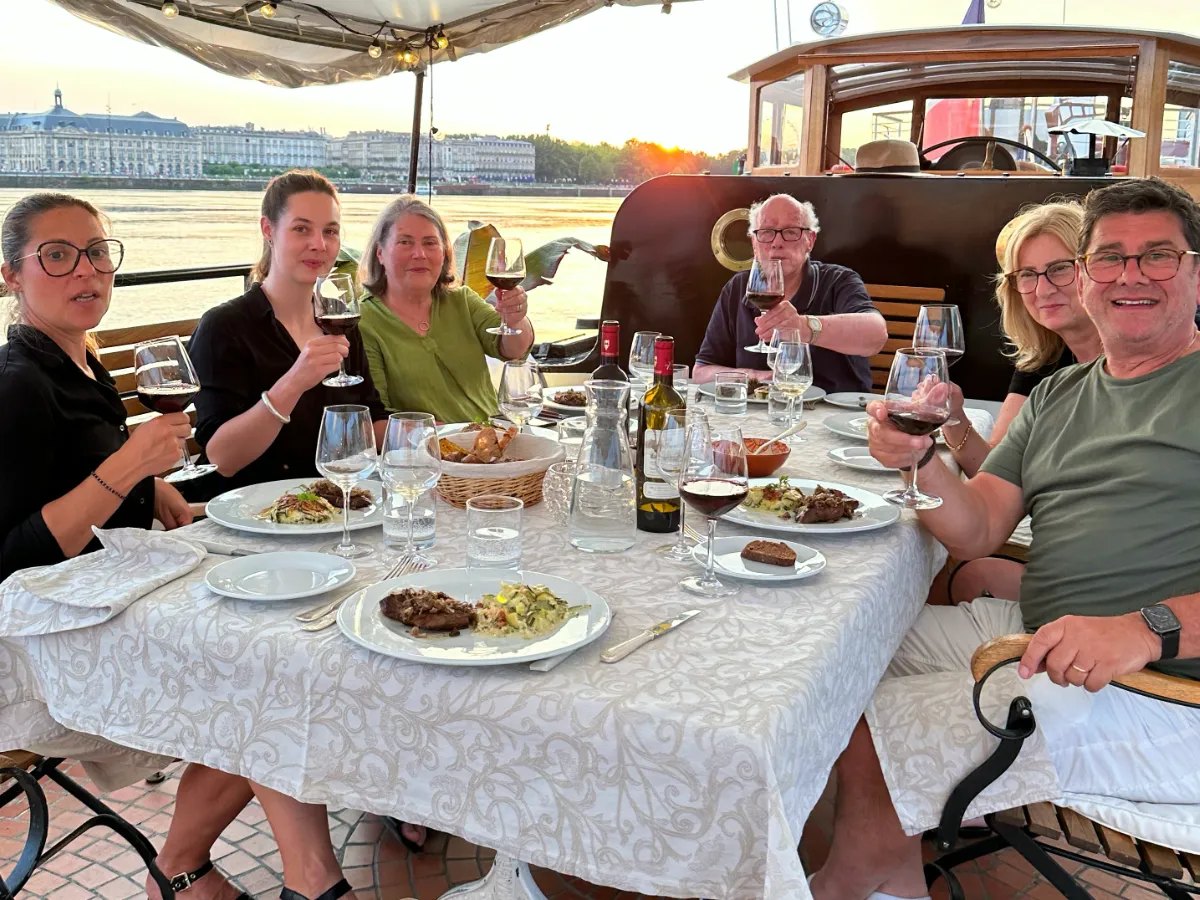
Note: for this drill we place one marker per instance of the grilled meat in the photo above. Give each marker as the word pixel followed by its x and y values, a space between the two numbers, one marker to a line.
pixel 427 610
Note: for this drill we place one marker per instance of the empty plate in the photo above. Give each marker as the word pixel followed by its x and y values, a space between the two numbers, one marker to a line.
pixel 851 399
pixel 858 458
pixel 728 560
pixel 848 424
pixel 286 575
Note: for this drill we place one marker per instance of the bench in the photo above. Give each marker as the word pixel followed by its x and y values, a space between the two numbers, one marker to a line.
pixel 900 306
pixel 1031 829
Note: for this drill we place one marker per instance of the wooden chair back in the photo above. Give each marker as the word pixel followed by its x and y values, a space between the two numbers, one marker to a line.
pixel 900 306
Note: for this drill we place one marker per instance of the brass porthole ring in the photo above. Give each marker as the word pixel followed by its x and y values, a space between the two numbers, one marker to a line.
pixel 731 241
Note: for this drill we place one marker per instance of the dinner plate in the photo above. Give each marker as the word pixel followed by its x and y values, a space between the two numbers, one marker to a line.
pixel 848 424
pixel 286 575
pixel 851 399
pixel 873 511
pixel 549 402
pixel 362 622
pixel 727 559
pixel 237 509
pixel 813 394
pixel 858 458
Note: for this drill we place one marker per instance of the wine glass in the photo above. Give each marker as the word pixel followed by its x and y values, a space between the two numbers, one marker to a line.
pixel 167 383
pixel 641 355
pixel 345 455
pixel 939 327
pixel 409 464
pixel 764 291
pixel 337 309
pixel 780 335
pixel 793 375
pixel 918 403
pixel 520 393
pixel 713 481
pixel 670 457
pixel 505 270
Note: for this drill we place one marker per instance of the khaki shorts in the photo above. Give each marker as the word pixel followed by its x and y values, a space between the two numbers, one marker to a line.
pixel 110 766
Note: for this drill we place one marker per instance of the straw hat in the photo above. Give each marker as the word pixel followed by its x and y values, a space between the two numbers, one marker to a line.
pixel 888 156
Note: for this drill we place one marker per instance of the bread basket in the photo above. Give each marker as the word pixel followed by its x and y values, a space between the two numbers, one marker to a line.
pixel 521 478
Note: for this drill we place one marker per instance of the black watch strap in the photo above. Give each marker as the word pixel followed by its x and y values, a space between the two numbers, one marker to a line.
pixel 929 454
pixel 1161 620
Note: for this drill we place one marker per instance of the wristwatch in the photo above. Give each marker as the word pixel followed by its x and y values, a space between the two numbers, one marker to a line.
pixel 814 326
pixel 1162 622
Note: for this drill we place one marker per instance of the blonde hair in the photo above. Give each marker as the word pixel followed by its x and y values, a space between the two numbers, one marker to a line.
pixel 280 190
pixel 1032 345
pixel 371 274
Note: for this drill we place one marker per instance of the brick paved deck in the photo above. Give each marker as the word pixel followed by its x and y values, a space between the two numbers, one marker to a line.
pixel 380 868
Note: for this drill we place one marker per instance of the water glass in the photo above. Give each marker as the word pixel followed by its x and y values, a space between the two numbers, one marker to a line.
pixel 778 407
pixel 730 390
pixel 346 455
pixel 570 435
pixel 681 380
pixel 395 520
pixel 556 490
pixel 494 532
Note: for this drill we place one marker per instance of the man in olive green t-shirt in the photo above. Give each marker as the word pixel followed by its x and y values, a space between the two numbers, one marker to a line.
pixel 1105 457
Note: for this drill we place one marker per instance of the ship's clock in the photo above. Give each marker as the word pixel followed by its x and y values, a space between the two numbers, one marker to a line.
pixel 828 19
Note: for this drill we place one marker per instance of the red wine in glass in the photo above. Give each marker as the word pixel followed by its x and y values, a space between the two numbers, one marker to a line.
pixel 338 323
pixel 504 282
pixel 167 398
pixel 764 300
pixel 953 355
pixel 917 422
pixel 713 497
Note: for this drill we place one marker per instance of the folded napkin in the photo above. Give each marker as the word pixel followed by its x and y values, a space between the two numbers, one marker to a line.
pixel 1023 533
pixel 94 587
pixel 981 420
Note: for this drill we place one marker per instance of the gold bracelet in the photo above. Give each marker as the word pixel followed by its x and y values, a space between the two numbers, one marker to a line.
pixel 954 448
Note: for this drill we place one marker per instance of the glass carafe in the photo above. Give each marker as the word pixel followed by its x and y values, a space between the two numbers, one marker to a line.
pixel 602 517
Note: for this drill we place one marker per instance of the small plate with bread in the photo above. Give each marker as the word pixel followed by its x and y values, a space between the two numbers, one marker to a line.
pixel 755 559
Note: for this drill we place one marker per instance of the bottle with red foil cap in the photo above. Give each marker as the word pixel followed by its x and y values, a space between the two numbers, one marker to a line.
pixel 662 410
pixel 610 351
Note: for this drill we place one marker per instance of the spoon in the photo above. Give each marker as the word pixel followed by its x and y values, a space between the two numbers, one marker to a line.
pixel 787 432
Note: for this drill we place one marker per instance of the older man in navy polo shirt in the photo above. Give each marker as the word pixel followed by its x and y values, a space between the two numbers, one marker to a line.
pixel 829 305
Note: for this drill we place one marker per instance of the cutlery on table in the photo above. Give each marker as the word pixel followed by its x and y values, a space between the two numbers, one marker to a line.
pixel 786 433
pixel 318 612
pixel 623 649
pixel 406 566
pixel 545 665
pixel 694 534
pixel 223 550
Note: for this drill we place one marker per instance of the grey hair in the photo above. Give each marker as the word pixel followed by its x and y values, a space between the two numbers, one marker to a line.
pixel 371 274
pixel 804 206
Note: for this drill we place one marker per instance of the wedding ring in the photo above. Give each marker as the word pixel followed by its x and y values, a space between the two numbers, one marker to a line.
pixel 1078 669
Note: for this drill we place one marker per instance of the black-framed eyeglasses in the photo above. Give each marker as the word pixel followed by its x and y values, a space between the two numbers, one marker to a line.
pixel 60 258
pixel 1059 273
pixel 767 235
pixel 1158 264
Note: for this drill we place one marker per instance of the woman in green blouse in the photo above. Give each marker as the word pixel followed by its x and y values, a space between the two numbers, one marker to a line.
pixel 426 341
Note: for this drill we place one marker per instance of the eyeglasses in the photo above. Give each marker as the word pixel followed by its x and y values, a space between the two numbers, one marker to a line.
pixel 1059 273
pixel 59 258
pixel 767 235
pixel 1159 264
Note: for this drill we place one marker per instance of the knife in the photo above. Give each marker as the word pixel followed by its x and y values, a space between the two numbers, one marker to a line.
pixel 623 649
pixel 223 550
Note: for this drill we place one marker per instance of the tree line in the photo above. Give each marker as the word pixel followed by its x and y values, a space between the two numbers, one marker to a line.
pixel 632 163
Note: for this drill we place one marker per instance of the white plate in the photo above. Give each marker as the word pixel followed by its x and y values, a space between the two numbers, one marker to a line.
pixel 851 424
pixel 851 399
pixel 548 398
pixel 873 511
pixel 286 575
pixel 814 393
pixel 237 509
pixel 362 622
pixel 727 559
pixel 858 458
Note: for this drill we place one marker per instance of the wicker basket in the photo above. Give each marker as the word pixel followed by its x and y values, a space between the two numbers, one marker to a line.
pixel 521 478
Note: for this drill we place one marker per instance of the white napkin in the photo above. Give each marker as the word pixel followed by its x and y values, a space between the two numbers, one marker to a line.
pixel 94 587
pixel 981 420
pixel 1023 533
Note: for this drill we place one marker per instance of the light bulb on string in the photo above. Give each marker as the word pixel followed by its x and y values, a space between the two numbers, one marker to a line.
pixel 994 4
pixel 441 40
pixel 408 56
pixel 268 10
pixel 375 50
pixel 170 10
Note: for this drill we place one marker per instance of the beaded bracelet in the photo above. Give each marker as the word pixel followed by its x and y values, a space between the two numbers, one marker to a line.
pixel 108 487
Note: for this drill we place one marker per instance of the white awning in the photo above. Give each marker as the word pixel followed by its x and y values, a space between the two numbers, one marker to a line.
pixel 328 42
pixel 1100 127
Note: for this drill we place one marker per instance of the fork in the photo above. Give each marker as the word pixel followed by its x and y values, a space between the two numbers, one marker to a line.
pixel 406 567
pixel 317 612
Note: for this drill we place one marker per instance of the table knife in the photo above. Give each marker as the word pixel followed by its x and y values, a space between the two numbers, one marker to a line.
pixel 623 649
pixel 223 550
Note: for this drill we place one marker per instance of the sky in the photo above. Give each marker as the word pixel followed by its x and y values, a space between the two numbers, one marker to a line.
pixel 612 75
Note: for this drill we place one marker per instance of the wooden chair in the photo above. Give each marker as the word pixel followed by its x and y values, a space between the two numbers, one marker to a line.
pixel 900 306
pixel 1030 829
pixel 27 770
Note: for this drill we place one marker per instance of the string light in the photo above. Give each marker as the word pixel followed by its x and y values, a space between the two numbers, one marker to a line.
pixel 268 10
pixel 408 56
pixel 440 40
pixel 666 7
pixel 170 10
pixel 375 50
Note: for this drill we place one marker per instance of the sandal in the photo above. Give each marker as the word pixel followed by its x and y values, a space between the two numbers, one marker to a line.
pixel 181 883
pixel 341 889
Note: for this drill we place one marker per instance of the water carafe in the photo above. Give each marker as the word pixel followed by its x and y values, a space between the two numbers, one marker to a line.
pixel 602 517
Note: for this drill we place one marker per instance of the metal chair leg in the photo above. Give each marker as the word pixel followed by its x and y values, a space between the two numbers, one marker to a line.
pixel 1042 861
pixel 157 778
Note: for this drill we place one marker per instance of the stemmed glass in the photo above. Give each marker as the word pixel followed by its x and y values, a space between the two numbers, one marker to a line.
pixel 713 482
pixel 167 383
pixel 410 463
pixel 670 456
pixel 641 355
pixel 337 309
pixel 782 335
pixel 764 291
pixel 918 403
pixel 939 327
pixel 520 393
pixel 792 367
pixel 505 270
pixel 345 455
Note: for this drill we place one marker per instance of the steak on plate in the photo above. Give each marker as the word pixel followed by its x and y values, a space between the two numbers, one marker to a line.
pixel 427 610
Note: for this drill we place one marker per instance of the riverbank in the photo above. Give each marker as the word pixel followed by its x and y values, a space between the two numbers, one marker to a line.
pixel 122 183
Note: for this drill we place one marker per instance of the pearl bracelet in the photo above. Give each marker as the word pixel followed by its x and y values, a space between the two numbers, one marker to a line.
pixel 273 411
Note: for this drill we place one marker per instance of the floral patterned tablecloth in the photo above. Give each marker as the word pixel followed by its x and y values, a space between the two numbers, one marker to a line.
pixel 687 769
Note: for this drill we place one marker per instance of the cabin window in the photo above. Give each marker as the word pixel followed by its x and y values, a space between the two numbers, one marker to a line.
pixel 780 121
pixel 1180 147
pixel 861 126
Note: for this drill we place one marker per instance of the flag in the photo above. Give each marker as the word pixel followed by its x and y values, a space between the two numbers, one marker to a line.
pixel 974 14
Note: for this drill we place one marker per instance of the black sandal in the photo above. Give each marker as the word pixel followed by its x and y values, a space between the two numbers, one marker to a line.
pixel 181 883
pixel 341 889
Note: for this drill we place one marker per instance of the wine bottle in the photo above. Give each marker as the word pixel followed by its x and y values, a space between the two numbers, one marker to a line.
pixel 610 348
pixel 657 497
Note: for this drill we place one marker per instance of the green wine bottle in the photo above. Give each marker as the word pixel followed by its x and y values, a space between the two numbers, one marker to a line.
pixel 657 495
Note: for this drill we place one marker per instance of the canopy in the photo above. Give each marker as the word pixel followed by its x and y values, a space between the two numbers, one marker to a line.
pixel 1101 127
pixel 295 44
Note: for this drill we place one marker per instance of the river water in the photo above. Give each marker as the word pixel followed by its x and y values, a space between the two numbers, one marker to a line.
pixel 175 229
